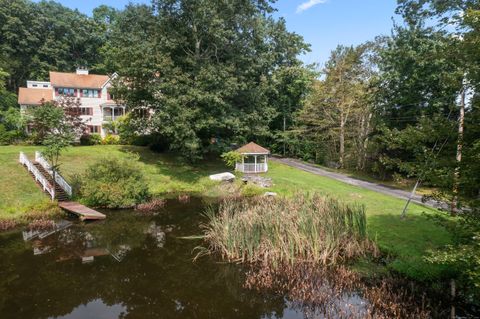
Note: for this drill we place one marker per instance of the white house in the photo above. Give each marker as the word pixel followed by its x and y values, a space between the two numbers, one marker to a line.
pixel 97 104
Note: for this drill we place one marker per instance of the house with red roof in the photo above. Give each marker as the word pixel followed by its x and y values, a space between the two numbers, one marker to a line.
pixel 97 104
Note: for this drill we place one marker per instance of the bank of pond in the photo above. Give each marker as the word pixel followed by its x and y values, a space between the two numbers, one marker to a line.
pixel 204 258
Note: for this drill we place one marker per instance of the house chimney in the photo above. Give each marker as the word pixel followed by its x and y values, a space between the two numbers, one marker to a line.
pixel 82 71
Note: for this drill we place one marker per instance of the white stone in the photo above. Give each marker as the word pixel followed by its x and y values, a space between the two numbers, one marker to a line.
pixel 222 177
pixel 270 194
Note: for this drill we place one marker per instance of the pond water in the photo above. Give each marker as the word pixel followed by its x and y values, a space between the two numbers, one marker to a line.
pixel 128 266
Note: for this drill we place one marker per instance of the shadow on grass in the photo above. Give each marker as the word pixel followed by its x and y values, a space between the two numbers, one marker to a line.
pixel 176 167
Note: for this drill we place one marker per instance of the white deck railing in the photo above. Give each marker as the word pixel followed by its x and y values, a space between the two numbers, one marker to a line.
pixel 252 167
pixel 58 178
pixel 23 159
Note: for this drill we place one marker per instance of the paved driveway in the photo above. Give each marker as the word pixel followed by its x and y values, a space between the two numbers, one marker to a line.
pixel 364 184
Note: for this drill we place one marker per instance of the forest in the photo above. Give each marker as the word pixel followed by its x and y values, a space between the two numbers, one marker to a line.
pixel 401 106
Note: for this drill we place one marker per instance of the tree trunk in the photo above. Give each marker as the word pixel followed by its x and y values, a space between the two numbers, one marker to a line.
pixel 456 176
pixel 366 140
pixel 284 130
pixel 342 140
pixel 360 143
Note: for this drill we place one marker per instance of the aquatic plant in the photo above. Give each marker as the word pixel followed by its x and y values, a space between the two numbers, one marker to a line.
pixel 339 292
pixel 305 228
pixel 7 224
pixel 151 206
pixel 184 198
pixel 41 224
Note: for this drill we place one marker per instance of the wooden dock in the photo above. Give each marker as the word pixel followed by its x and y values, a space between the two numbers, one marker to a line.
pixel 82 211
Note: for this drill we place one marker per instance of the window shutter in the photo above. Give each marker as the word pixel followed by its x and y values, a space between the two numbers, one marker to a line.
pixel 99 94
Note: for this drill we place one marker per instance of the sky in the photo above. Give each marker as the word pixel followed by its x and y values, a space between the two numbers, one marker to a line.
pixel 324 24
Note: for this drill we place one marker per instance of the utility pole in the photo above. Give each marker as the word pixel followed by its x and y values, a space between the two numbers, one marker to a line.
pixel 404 212
pixel 456 176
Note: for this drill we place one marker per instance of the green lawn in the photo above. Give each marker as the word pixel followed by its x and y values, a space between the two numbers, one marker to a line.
pixel 17 190
pixel 405 241
pixel 165 173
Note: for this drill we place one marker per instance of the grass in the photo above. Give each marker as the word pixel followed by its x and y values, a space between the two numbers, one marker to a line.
pixel 306 228
pixel 405 241
pixel 166 174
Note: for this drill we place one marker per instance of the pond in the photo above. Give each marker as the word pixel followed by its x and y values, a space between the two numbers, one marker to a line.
pixel 129 266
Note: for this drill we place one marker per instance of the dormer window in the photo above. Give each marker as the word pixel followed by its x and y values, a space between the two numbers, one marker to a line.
pixel 90 93
pixel 66 91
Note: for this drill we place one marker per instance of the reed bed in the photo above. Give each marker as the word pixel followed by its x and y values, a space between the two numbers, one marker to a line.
pixel 275 231
pixel 152 207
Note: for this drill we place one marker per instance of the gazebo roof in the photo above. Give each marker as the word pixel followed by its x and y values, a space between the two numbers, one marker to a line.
pixel 252 148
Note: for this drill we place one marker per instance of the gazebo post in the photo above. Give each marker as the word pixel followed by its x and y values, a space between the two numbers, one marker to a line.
pixel 255 164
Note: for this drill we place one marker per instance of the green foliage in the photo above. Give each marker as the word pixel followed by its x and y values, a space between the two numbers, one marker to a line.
pixel 231 158
pixel 202 83
pixel 337 113
pixel 114 183
pixel 111 139
pixel 91 139
pixel 38 37
pixel 463 257
pixel 273 231
pixel 252 190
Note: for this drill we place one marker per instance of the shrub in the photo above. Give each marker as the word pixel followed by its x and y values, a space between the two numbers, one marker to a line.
pixel 251 190
pixel 90 139
pixel 231 158
pixel 111 140
pixel 114 183
pixel 275 231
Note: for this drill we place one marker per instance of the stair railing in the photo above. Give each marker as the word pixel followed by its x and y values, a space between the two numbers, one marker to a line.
pixel 23 159
pixel 58 178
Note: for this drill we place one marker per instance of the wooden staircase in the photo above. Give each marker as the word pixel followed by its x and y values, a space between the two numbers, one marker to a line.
pixel 60 194
pixel 38 170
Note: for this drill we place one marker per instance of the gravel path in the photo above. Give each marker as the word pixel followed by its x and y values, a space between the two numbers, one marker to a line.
pixel 363 184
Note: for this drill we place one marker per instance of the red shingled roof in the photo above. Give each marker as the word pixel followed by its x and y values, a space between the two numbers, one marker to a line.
pixel 252 148
pixel 27 96
pixel 73 80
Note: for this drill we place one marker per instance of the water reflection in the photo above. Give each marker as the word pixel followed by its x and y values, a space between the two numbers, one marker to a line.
pixel 127 266
pixel 95 309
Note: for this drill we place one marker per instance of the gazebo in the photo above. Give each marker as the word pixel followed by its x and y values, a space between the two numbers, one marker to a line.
pixel 254 159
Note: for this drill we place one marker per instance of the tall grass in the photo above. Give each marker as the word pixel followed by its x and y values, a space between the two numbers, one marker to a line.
pixel 306 228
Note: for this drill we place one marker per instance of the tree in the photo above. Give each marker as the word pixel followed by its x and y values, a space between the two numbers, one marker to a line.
pixel 204 67
pixel 55 130
pixel 36 38
pixel 57 117
pixel 290 87
pixel 337 111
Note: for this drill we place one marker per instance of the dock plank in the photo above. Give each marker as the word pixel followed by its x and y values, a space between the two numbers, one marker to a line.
pixel 83 211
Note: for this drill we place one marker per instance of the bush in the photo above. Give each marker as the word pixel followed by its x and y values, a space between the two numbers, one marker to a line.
pixel 251 190
pixel 231 158
pixel 90 139
pixel 114 183
pixel 111 140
